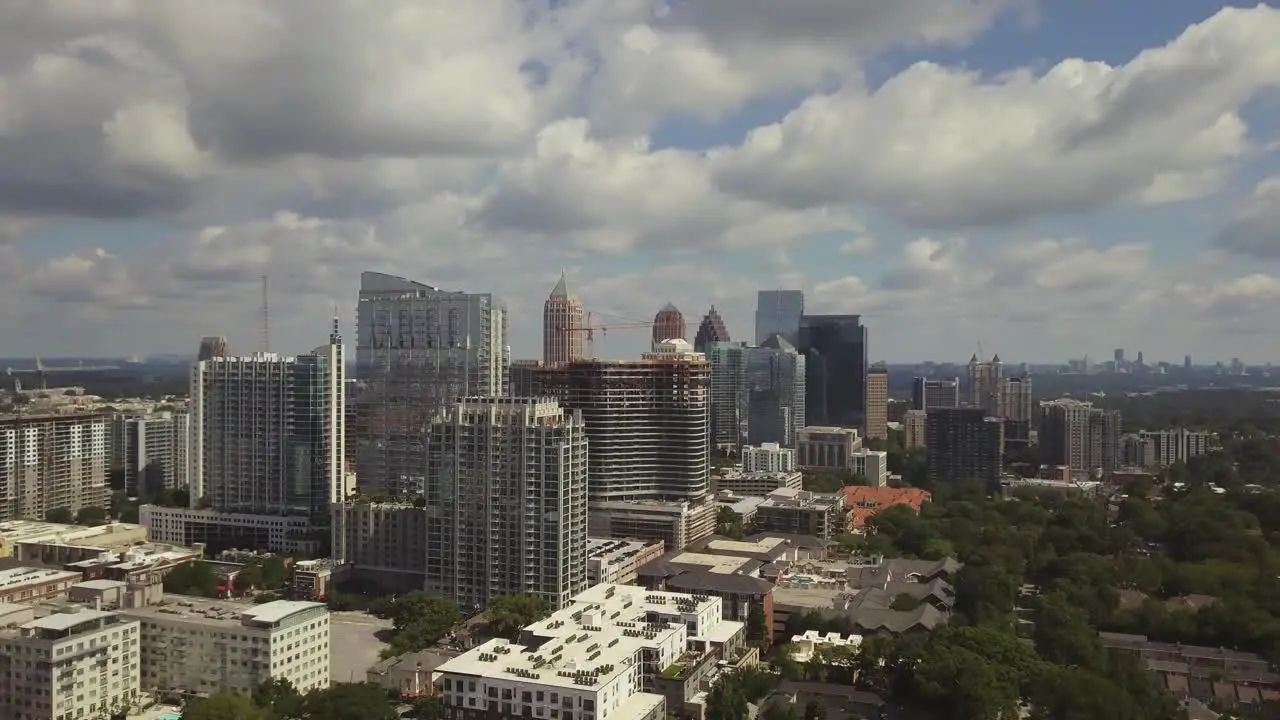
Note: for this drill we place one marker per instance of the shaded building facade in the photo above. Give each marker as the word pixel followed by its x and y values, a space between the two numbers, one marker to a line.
pixel 964 444
pixel 711 330
pixel 835 350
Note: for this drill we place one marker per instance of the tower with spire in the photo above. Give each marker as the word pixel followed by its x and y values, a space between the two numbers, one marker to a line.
pixel 562 325
pixel 986 381
pixel 711 330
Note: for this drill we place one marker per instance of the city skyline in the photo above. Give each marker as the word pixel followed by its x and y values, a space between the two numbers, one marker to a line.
pixel 1048 180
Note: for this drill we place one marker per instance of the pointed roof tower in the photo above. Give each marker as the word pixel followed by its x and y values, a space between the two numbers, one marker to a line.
pixel 711 330
pixel 995 360
pixel 561 290
pixel 974 360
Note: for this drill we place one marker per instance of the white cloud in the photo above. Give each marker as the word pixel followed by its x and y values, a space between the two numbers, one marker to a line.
pixel 1254 228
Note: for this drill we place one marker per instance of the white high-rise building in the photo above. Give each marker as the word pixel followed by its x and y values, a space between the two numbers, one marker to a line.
pixel 507 491
pixel 768 458
pixel 418 349
pixel 268 432
pixel 82 664
pixel 50 462
pixel 151 450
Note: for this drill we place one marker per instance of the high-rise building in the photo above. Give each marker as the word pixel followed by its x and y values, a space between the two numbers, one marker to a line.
pixel 729 394
pixel 1015 408
pixel 507 495
pixel 419 349
pixel 778 312
pixel 1079 436
pixel 835 350
pixel 212 347
pixel 520 373
pixel 668 324
pixel 877 414
pixel 984 384
pixel 964 444
pixel 563 324
pixel 927 394
pixel 775 392
pixel 151 450
pixel 711 330
pixel 268 432
pixel 914 427
pixel 648 421
pixel 53 462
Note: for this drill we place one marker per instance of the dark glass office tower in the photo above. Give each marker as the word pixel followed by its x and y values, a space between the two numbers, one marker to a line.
pixel 835 350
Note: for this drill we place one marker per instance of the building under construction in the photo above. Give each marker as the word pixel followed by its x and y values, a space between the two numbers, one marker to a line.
pixel 648 421
pixel 419 349
pixel 52 462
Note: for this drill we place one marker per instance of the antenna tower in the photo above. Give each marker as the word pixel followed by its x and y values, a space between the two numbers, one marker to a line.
pixel 266 318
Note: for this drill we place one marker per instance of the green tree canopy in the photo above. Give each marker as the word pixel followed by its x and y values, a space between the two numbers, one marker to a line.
pixel 224 706
pixel 509 614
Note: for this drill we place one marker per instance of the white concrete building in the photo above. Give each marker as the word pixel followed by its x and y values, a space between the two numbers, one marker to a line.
pixel 616 561
pixel 82 665
pixel 198 645
pixel 596 659
pixel 872 465
pixel 189 526
pixel 804 647
pixel 53 462
pixel 768 457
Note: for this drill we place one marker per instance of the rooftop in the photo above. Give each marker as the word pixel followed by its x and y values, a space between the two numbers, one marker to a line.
pixel 107 536
pixel 867 501
pixel 594 639
pixel 804 499
pixel 219 613
pixel 609 551
pixel 101 584
pixel 19 576
pixel 66 620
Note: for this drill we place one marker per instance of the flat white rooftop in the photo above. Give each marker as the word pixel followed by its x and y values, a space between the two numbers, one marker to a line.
pixel 219 613
pixel 20 576
pixel 67 620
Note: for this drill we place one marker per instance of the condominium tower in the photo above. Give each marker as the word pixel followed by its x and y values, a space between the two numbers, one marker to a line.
pixel 50 462
pixel 268 432
pixel 563 323
pixel 507 501
pixel 647 421
pixel 419 349
pixel 1079 436
pixel 150 450
pixel 778 312
pixel 729 393
pixel 775 392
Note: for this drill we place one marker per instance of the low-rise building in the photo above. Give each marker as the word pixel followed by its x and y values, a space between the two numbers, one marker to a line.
pixel 409 674
pixel 769 458
pixel 616 652
pixel 385 543
pixel 57 543
pixel 32 585
pixel 82 664
pixel 315 579
pixel 805 646
pixel 757 483
pixel 674 523
pixel 872 465
pixel 291 534
pixel 113 594
pixel 863 502
pixel 616 561
pixel 821 447
pixel 1226 678
pixel 143 565
pixel 743 507
pixel 198 645
pixel 802 512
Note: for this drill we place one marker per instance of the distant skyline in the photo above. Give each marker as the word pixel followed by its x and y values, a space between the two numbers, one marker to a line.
pixel 1048 179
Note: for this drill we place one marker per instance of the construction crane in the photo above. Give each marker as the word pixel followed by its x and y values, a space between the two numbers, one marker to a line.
pixel 589 328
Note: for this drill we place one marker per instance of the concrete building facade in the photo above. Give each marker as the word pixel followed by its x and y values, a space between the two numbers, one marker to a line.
pixel 768 457
pixel 507 500
pixel 563 326
pixel 50 462
pixel 877 413
pixel 152 450
pixel 964 444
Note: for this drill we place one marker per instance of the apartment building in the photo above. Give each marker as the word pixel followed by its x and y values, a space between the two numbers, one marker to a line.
pixel 729 393
pixel 384 542
pixel 877 415
pixel 913 428
pixel 768 457
pixel 418 349
pixel 801 512
pixel 605 656
pixel 290 534
pixel 1162 448
pixel 1080 436
pixel 616 561
pixel 69 665
pixel 30 539
pixel 31 585
pixel 50 462
pixel 507 489
pixel 268 432
pixel 211 646
pixel 964 444
pixel 151 450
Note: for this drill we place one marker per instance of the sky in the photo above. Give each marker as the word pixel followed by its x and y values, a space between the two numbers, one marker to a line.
pixel 1042 178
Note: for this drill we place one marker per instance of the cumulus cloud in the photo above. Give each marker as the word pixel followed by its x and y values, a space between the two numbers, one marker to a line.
pixel 1254 228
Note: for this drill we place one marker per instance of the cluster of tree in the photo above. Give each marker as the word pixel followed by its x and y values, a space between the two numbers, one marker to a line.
pixel 826 480
pixel 419 620
pixel 728 524
pixel 269 573
pixel 912 464
pixel 508 615
pixel 278 700
pixel 1242 411
pixel 88 516
pixel 1066 564
pixel 193 578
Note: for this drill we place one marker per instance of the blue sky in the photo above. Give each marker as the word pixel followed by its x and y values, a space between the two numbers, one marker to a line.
pixel 1006 193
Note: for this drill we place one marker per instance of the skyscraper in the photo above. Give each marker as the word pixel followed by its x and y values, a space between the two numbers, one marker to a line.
pixel 668 324
pixel 835 350
pixel 711 330
pixel 778 312
pixel 1015 408
pixel 151 450
pixel 419 349
pixel 877 422
pixel 964 444
pixel 927 394
pixel 729 393
pixel 1079 436
pixel 212 347
pixel 985 384
pixel 507 493
pixel 775 392
pixel 562 326
pixel 268 432
pixel 50 462
pixel 648 421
